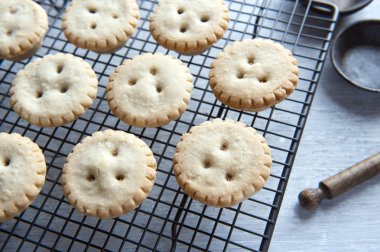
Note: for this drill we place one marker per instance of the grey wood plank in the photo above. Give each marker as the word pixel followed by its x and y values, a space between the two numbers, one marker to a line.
pixel 343 128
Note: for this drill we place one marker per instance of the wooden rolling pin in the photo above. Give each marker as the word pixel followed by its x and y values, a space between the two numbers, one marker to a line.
pixel 341 182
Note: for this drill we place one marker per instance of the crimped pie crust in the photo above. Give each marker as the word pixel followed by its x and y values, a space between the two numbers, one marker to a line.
pixel 108 174
pixel 221 163
pixel 189 27
pixel 150 90
pixel 22 174
pixel 23 24
pixel 102 26
pixel 54 90
pixel 253 74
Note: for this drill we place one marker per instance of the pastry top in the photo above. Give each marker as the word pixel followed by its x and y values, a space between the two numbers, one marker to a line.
pixel 108 174
pixel 100 25
pixel 22 25
pixel 149 90
pixel 53 90
pixel 22 174
pixel 220 163
pixel 189 25
pixel 254 74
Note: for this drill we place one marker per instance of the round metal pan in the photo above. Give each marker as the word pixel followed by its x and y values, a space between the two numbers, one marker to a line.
pixel 344 6
pixel 355 54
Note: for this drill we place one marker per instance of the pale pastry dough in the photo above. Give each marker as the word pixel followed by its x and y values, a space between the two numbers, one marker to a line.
pixel 108 174
pixel 54 90
pixel 150 90
pixel 189 27
pixel 102 26
pixel 253 74
pixel 221 163
pixel 22 174
pixel 23 24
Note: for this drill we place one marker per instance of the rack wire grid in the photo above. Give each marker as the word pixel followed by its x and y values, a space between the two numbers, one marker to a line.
pixel 168 220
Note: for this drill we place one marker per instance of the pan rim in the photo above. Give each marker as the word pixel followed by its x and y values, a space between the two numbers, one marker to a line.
pixel 334 47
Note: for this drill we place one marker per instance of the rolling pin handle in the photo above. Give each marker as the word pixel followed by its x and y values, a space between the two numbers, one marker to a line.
pixel 310 198
pixel 341 182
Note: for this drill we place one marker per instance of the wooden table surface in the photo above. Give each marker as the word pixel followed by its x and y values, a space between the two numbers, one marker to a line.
pixel 343 128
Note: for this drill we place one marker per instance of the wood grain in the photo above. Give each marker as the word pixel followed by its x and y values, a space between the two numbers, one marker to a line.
pixel 341 182
pixel 343 128
pixel 350 177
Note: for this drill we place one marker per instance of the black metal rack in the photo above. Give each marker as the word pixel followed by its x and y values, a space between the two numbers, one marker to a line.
pixel 168 219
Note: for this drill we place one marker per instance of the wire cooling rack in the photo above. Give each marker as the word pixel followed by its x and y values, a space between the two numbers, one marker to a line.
pixel 168 220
